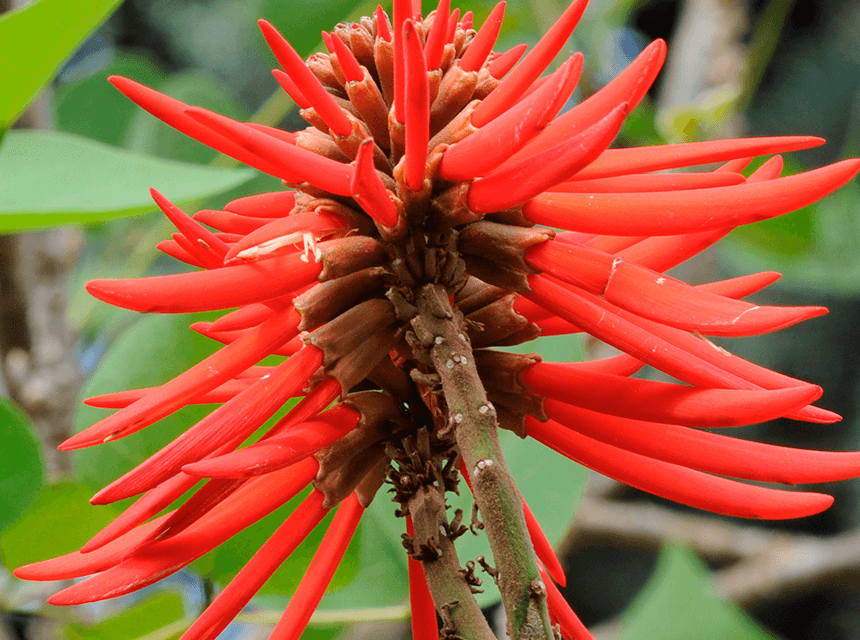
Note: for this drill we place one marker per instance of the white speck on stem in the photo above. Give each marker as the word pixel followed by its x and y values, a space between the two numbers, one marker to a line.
pixel 458 418
pixel 449 364
pixel 438 340
pixel 481 465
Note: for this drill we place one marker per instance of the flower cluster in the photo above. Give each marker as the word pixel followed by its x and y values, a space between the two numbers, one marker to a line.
pixel 415 238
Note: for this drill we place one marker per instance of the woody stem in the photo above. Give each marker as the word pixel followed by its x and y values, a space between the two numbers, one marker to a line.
pixel 473 419
pixel 451 594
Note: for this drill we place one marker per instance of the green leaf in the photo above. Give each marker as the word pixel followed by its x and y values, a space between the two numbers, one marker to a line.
pixel 150 352
pixel 93 107
pixel 157 613
pixel 35 40
pixel 680 603
pixel 53 178
pixel 60 521
pixel 22 473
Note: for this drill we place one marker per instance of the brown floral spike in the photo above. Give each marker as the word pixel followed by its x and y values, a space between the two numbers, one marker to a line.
pixel 413 239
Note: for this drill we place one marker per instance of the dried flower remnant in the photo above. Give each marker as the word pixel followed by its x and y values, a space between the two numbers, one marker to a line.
pixel 415 237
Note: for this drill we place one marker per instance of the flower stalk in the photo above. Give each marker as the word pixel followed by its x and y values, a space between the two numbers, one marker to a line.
pixel 473 419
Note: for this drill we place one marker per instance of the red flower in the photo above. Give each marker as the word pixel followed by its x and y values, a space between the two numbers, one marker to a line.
pixel 412 243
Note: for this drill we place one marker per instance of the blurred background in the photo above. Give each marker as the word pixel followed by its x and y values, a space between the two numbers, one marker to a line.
pixel 637 567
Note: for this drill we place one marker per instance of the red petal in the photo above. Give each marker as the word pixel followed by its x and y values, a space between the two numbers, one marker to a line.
pixel 669 213
pixel 188 227
pixel 693 488
pixel 232 286
pixel 492 144
pixel 629 86
pixel 416 109
pixel 320 572
pixel 648 182
pixel 435 45
pixel 517 81
pixel 229 425
pixel 230 222
pixel 619 162
pixel 571 626
pixel 254 574
pixel 78 564
pixel 279 451
pixel 202 377
pixel 662 402
pixel 504 62
pixel 709 452
pixel 172 112
pixel 369 190
pixel 292 90
pixel 660 298
pixel 311 88
pixel 484 40
pixel 150 563
pixel 294 164
pixel 350 66
pixel 543 549
pixel 264 205
pixel 512 185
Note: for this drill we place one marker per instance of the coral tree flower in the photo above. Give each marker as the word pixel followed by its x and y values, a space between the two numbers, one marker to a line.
pixel 416 236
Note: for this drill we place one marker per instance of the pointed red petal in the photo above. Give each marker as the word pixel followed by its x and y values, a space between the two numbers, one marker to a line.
pixel 709 452
pixel 351 67
pixel 279 451
pixel 504 62
pixel 172 112
pixel 292 90
pixel 416 109
pixel 660 298
pixel 202 377
pixel 509 186
pixel 295 164
pixel 487 148
pixel 435 45
pixel 402 11
pixel 629 86
pixel 231 286
pixel 619 162
pixel 243 318
pixel 78 564
pixel 382 26
pixel 538 59
pixel 150 563
pixel 264 205
pixel 669 213
pixel 187 226
pixel 650 182
pixel 693 488
pixel 311 88
pixel 368 189
pixel 481 46
pixel 228 426
pixel 147 506
pixel 230 222
pixel 662 402
pixel 320 572
pixel 258 569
